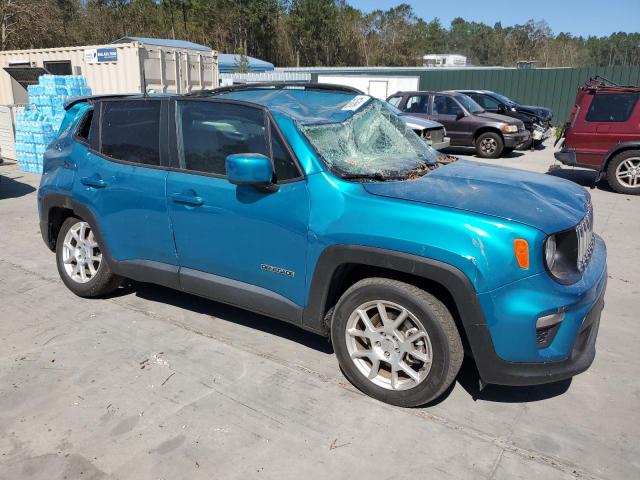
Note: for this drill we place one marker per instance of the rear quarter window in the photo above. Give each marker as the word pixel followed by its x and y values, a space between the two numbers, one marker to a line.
pixel 87 131
pixel 611 107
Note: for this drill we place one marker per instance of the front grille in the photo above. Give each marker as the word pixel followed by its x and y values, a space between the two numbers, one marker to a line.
pixel 584 233
pixel 435 136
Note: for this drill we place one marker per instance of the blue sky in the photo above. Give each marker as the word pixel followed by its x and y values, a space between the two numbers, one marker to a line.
pixel 578 17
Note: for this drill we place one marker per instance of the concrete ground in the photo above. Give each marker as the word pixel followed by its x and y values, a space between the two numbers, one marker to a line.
pixel 156 384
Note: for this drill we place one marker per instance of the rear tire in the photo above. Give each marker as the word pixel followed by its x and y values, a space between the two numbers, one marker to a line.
pixel 489 145
pixel 81 263
pixel 623 172
pixel 406 356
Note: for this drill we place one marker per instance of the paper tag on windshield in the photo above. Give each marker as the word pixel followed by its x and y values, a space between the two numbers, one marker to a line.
pixel 356 102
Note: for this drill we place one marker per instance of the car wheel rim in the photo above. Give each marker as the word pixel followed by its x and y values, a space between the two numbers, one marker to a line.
pixel 488 145
pixel 628 173
pixel 388 345
pixel 81 254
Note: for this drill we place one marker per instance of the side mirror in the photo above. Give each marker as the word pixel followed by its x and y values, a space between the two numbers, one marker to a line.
pixel 252 169
pixel 460 114
pixel 502 107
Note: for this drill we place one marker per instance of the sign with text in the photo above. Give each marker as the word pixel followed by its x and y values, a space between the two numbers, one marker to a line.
pixel 100 55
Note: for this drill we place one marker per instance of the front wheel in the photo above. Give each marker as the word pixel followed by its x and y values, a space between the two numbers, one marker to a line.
pixel 623 172
pixel 489 145
pixel 396 342
pixel 80 260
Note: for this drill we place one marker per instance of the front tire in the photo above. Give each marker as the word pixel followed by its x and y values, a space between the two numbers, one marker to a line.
pixel 623 172
pixel 396 342
pixel 81 263
pixel 489 145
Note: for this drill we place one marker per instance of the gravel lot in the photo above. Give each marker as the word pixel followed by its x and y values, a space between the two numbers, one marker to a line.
pixel 155 384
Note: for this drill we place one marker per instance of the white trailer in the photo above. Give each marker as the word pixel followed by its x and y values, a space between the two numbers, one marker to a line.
pixel 378 86
pixel 167 66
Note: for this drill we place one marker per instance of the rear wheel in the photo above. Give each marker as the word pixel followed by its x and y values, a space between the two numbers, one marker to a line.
pixel 81 264
pixel 623 172
pixel 489 145
pixel 396 342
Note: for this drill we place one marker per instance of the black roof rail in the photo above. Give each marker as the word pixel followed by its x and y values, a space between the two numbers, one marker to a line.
pixel 328 87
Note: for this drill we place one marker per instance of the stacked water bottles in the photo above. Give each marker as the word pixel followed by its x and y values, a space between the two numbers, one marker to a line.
pixel 39 122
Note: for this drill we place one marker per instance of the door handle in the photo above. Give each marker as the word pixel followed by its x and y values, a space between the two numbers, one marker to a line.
pixel 95 182
pixel 187 199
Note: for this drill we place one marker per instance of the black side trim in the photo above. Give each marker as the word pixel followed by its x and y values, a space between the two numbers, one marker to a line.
pixel 148 271
pixel 240 294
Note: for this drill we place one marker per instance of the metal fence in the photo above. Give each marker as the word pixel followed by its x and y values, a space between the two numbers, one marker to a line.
pixel 550 87
pixel 273 76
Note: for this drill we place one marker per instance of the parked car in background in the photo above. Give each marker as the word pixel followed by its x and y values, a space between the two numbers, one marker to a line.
pixel 467 123
pixel 603 134
pixel 431 132
pixel 318 206
pixel 536 119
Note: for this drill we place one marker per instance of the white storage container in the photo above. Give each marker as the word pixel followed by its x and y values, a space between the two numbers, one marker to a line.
pixel 116 68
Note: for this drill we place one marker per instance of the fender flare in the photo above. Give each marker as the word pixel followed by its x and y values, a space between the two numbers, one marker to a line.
pixel 451 278
pixel 53 200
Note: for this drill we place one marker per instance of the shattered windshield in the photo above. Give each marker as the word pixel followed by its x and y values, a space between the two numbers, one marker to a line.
pixel 374 142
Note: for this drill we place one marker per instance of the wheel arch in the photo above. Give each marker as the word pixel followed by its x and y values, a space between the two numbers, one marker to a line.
pixel 55 209
pixel 616 150
pixel 340 266
pixel 486 129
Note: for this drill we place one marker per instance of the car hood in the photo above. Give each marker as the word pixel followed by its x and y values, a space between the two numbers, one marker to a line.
pixel 541 201
pixel 496 117
pixel 542 113
pixel 417 123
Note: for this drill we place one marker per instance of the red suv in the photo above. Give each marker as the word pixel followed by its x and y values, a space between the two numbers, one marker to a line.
pixel 603 133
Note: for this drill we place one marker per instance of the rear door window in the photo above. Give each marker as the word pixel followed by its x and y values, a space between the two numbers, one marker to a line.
pixel 131 131
pixel 611 107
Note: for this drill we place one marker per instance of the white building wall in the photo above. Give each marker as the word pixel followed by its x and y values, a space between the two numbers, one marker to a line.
pixel 377 86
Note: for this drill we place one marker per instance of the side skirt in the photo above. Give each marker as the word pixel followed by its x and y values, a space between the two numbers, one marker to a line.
pixel 213 287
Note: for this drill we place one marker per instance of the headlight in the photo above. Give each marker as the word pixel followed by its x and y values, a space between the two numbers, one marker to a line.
pixel 510 128
pixel 560 257
pixel 550 252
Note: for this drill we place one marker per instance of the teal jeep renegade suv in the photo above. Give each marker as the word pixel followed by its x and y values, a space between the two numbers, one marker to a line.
pixel 318 206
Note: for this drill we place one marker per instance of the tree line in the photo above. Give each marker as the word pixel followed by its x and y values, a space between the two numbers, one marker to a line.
pixel 305 32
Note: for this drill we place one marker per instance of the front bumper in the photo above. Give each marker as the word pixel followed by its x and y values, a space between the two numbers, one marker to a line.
pixel 441 145
pixel 566 156
pixel 514 140
pixel 505 347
